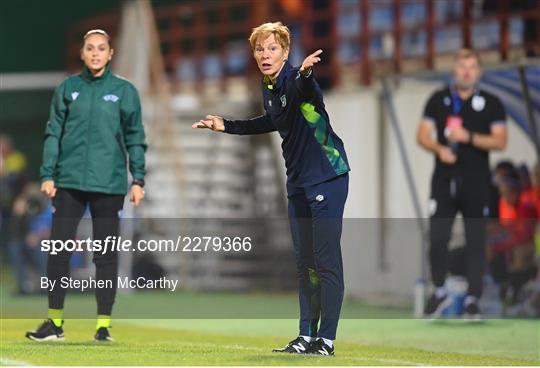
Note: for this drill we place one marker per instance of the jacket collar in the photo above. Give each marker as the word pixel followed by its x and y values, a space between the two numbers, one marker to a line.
pixel 287 67
pixel 86 74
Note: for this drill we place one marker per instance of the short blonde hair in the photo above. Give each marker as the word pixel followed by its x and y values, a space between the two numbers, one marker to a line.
pixel 278 29
pixel 466 53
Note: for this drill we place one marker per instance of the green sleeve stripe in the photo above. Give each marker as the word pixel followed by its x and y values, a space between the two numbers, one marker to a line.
pixel 317 121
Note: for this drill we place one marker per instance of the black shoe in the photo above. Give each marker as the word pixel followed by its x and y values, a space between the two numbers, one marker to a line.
pixel 472 312
pixel 102 334
pixel 47 331
pixel 436 305
pixel 297 346
pixel 319 347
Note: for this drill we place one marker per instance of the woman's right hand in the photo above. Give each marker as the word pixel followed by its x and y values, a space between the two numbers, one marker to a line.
pixel 48 188
pixel 211 122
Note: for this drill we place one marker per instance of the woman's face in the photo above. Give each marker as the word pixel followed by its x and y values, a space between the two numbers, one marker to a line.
pixel 96 52
pixel 270 56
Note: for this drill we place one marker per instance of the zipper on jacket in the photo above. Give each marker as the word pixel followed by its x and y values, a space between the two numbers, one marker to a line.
pixel 88 134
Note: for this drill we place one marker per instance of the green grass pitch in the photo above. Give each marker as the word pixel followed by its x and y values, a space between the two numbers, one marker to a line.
pixel 389 340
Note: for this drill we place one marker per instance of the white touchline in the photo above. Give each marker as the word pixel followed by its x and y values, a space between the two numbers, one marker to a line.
pixel 20 363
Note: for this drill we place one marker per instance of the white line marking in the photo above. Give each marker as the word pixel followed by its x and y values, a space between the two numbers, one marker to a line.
pixel 13 362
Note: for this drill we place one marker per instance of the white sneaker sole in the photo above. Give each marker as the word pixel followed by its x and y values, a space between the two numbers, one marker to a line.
pixel 110 339
pixel 48 338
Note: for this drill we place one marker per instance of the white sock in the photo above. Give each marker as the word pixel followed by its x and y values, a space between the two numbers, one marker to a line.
pixel 440 292
pixel 307 338
pixel 328 342
pixel 469 300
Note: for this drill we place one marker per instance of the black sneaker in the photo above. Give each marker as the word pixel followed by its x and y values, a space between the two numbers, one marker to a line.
pixel 102 334
pixel 47 331
pixel 297 346
pixel 436 305
pixel 319 347
pixel 472 312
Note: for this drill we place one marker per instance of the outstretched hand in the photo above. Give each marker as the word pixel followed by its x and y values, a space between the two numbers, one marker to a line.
pixel 211 122
pixel 310 61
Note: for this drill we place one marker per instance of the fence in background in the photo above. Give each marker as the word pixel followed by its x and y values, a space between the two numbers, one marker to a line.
pixel 203 40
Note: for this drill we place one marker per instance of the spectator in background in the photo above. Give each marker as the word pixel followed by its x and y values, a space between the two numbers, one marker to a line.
pixel 29 224
pixel 511 245
pixel 12 178
pixel 527 190
pixel 501 170
pixel 12 166
pixel 467 123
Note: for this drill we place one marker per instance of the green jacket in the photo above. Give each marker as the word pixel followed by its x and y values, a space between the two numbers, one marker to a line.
pixel 94 126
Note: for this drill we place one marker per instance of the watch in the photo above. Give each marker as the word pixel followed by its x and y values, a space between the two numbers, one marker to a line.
pixel 306 72
pixel 139 182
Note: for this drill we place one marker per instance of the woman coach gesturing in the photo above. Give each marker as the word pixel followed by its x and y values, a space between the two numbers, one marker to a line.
pixel 317 180
pixel 94 129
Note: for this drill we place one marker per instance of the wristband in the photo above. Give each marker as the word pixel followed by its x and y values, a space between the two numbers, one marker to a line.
pixel 139 182
pixel 306 72
pixel 471 138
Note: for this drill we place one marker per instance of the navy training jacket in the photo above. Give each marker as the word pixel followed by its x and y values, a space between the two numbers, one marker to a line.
pixel 294 107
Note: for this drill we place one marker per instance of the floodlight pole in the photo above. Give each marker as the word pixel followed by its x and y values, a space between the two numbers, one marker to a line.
pixel 530 113
pixel 420 285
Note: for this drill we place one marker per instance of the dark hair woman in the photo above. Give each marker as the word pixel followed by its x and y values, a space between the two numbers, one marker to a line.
pixel 94 132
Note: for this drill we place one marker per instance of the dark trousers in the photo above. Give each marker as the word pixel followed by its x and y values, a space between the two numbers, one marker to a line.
pixel 468 194
pixel 316 219
pixel 68 208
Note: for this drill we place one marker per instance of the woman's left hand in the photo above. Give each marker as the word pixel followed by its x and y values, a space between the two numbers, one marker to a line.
pixel 136 194
pixel 310 61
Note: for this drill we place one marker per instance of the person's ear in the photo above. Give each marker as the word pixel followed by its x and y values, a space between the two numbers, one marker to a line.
pixel 286 55
pixel 112 53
